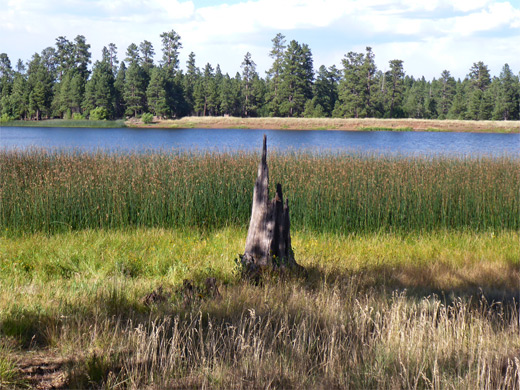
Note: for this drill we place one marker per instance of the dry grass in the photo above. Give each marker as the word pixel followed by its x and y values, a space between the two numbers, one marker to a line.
pixel 435 311
pixel 337 124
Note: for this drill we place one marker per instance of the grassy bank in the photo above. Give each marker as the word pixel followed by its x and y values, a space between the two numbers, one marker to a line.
pixel 366 124
pixel 60 191
pixel 375 311
pixel 66 123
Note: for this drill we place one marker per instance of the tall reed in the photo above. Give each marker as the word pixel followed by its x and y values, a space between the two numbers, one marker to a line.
pixel 57 190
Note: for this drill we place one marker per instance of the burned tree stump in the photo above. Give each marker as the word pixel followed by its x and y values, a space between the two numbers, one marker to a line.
pixel 268 243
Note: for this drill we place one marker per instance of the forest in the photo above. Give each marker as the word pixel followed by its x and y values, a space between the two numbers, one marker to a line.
pixel 62 82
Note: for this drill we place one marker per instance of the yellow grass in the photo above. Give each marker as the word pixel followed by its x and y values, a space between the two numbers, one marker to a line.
pixel 336 124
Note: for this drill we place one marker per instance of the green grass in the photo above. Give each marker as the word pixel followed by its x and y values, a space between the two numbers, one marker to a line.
pixel 376 128
pixel 375 310
pixel 413 269
pixel 59 191
pixel 67 123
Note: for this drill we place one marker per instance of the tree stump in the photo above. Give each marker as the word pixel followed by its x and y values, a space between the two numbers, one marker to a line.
pixel 268 243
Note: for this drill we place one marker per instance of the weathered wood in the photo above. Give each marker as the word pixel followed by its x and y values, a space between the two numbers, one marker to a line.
pixel 268 242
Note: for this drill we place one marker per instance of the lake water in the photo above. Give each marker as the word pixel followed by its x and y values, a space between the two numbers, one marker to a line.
pixel 406 143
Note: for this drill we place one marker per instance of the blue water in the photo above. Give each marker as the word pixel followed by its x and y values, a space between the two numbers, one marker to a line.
pixel 405 143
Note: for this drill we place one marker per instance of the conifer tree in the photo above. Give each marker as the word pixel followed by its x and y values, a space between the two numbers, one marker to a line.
pixel 507 101
pixel 39 84
pixel 479 106
pixel 6 83
pixel 326 88
pixel 19 98
pixel 119 91
pixel 274 74
pixel 157 94
pixel 395 83
pixel 296 79
pixel 357 86
pixel 134 92
pixel 248 76
pixel 192 75
pixel 100 90
pixel 446 93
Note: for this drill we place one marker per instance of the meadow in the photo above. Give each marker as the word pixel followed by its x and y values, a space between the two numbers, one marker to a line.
pixel 66 123
pixel 413 270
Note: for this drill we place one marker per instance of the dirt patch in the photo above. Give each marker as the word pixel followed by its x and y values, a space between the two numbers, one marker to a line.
pixel 44 372
pixel 155 297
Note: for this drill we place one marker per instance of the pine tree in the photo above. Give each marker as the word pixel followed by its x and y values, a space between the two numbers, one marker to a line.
pixel 414 100
pixel 458 108
pixel 296 79
pixel 132 54
pixel 134 90
pixel 446 94
pixel 326 88
pixel 192 75
pixel 147 52
pixel 157 94
pixel 112 53
pixel 230 95
pixel 39 84
pixel 119 91
pixel 479 106
pixel 248 76
pixel 19 98
pixel 507 100
pixel 64 55
pixel 6 83
pixel 356 87
pixel 82 57
pixel 274 74
pixel 395 85
pixel 171 42
pixel 100 90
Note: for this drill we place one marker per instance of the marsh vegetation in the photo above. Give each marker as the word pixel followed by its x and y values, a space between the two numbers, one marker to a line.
pixel 413 271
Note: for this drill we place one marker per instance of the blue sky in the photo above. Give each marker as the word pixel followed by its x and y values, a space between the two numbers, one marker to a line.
pixel 429 36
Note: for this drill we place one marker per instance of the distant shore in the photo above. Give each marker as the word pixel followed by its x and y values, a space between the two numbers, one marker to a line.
pixel 367 124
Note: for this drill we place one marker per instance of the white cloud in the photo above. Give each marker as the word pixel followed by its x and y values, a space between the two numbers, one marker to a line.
pixel 495 16
pixel 429 34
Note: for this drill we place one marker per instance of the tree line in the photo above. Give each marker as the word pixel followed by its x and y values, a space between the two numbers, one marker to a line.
pixel 59 83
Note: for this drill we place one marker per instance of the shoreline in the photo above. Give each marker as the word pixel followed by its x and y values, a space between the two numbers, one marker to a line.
pixel 311 124
pixel 366 124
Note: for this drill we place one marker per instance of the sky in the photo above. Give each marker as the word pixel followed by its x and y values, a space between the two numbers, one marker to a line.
pixel 429 36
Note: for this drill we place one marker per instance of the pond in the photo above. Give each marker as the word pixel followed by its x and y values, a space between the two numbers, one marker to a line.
pixel 223 140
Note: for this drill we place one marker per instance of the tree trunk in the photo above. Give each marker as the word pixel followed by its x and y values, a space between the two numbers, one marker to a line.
pixel 268 243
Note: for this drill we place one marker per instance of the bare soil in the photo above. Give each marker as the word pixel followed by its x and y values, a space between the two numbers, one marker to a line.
pixel 44 371
pixel 366 124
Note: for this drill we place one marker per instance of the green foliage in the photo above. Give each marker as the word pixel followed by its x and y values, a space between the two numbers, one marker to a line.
pixel 9 374
pixel 77 116
pixel 157 93
pixel 58 82
pixel 5 118
pixel 296 79
pixel 147 118
pixel 357 85
pixel 80 122
pixel 98 114
pixel 338 193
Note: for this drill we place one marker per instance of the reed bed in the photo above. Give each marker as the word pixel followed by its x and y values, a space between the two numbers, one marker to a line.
pixel 53 191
